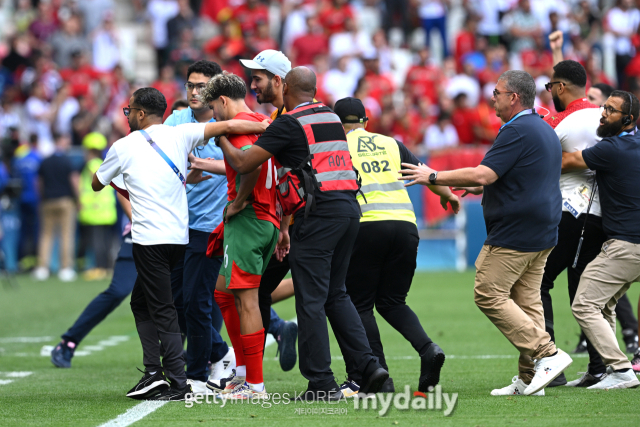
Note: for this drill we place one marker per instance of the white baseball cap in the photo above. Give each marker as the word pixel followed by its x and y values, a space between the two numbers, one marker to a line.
pixel 271 60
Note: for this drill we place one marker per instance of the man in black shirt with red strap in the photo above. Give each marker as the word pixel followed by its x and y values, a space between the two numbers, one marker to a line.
pixel 321 245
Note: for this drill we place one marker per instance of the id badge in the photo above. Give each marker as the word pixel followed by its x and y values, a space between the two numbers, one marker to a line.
pixel 578 201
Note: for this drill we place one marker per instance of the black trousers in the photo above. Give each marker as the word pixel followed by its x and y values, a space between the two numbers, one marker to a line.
pixel 319 259
pixel 273 275
pixel 380 273
pixel 562 257
pixel 154 312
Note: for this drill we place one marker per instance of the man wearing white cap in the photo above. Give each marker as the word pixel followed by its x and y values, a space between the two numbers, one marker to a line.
pixel 268 70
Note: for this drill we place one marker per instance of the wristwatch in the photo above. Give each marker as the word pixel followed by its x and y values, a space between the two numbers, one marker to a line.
pixel 433 177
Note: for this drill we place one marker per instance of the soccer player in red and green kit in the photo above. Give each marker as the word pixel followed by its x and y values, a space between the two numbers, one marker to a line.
pixel 251 224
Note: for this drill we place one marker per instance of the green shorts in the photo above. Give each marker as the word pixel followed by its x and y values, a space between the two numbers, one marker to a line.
pixel 248 245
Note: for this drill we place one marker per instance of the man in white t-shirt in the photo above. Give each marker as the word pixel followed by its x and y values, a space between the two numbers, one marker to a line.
pixel 152 159
pixel 575 124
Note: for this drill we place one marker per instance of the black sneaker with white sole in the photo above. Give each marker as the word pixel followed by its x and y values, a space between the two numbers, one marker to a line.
pixel 430 366
pixel 149 386
pixel 175 395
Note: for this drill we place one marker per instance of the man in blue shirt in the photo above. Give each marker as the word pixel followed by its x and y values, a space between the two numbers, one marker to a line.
pixel 26 164
pixel 193 280
pixel 616 160
pixel 519 177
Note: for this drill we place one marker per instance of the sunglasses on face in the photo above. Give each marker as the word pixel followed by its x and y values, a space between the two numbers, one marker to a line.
pixel 127 110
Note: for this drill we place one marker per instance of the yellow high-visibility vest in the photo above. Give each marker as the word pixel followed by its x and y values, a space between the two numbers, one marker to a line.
pixel 96 208
pixel 377 158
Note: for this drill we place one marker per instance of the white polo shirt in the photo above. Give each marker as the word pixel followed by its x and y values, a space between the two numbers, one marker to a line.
pixel 576 129
pixel 160 213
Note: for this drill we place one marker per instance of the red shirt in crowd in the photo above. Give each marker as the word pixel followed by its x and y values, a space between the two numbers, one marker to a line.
pixel 333 20
pixel 308 46
pixel 536 62
pixel 80 79
pixel 465 43
pixel 380 86
pixel 234 46
pixel 171 91
pixel 423 80
pixel 248 18
pixel 257 45
pixel 464 120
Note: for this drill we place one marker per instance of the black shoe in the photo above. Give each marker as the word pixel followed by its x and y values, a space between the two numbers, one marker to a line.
pixel 581 347
pixel 430 366
pixel 558 381
pixel 332 395
pixel 173 394
pixel 586 380
pixel 149 386
pixel 286 339
pixel 388 386
pixel 630 338
pixel 62 353
pixel 373 378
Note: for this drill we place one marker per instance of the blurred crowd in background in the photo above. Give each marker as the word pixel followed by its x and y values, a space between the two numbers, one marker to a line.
pixel 425 70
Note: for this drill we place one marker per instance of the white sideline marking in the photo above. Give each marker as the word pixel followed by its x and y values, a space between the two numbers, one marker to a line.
pixel 8 340
pixel 45 351
pixel 143 409
pixel 134 414
pixel 16 374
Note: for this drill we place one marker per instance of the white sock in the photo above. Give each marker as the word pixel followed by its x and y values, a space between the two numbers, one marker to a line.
pixel 241 371
pixel 256 387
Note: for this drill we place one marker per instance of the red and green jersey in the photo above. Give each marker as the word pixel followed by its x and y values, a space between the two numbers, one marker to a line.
pixel 263 197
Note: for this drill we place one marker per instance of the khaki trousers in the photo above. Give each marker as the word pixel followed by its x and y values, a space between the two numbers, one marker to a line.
pixel 602 284
pixel 507 291
pixel 57 215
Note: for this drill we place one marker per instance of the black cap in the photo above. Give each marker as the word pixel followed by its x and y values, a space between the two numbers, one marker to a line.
pixel 350 107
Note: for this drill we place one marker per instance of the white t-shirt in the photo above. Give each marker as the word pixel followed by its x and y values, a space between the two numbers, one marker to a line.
pixel 577 132
pixel 625 22
pixel 160 213
pixel 437 139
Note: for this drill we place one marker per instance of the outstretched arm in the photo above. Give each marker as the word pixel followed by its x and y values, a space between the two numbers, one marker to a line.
pixel 465 177
pixel 573 161
pixel 243 161
pixel 237 127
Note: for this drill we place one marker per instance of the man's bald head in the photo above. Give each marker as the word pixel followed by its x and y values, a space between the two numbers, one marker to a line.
pixel 299 87
pixel 301 80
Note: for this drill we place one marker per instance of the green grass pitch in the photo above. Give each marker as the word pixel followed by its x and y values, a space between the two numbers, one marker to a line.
pixel 92 391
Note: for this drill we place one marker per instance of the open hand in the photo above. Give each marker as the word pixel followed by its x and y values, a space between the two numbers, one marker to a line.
pixel 469 190
pixel 234 208
pixel 195 176
pixel 283 245
pixel 415 174
pixel 453 201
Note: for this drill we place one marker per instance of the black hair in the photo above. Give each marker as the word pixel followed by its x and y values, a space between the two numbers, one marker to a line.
pixel 206 68
pixel 635 106
pixel 180 103
pixel 444 115
pixel 151 100
pixel 604 88
pixel 571 72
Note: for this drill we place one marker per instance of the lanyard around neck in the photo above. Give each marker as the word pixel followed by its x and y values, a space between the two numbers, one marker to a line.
pixel 521 113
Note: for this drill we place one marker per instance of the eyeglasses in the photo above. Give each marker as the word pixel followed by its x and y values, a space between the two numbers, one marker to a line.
pixel 610 110
pixel 496 92
pixel 198 87
pixel 127 110
pixel 549 85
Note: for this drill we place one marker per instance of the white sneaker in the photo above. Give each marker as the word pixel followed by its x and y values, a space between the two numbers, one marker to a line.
pixel 200 387
pixel 245 392
pixel 517 387
pixel 41 273
pixel 67 275
pixel 547 369
pixel 613 379
pixel 224 367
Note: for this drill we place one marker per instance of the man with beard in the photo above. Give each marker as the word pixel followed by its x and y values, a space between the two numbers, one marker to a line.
pixel 268 70
pixel 575 124
pixel 160 227
pixel 616 159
